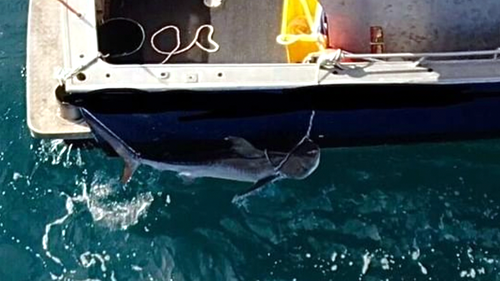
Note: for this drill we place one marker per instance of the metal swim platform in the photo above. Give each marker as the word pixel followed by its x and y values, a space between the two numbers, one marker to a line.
pixel 44 59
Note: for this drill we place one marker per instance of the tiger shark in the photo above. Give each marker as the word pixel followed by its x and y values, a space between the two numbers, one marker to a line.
pixel 243 162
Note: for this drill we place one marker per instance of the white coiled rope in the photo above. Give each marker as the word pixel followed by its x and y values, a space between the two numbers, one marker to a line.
pixel 177 49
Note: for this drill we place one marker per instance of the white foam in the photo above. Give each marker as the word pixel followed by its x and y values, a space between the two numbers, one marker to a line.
pixel 490 261
pixel 123 214
pixel 334 256
pixel 57 159
pixel 16 176
pixel 85 261
pixel 367 259
pixel 415 254
pixel 385 263
pixel 57 152
pixel 67 162
pixel 469 254
pixel 114 215
pixel 136 268
pixel 48 227
pixel 79 161
pixel 422 268
pixel 471 273
pixel 89 259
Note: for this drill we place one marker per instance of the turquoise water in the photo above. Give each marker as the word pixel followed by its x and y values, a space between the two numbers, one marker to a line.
pixel 420 212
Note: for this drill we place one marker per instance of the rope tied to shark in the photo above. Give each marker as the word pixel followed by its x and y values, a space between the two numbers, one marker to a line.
pixel 305 147
pixel 177 49
pixel 306 137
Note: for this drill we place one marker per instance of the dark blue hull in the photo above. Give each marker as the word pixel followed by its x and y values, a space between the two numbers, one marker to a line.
pixel 193 121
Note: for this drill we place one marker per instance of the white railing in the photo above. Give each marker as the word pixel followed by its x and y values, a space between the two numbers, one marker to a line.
pixel 494 53
pixel 336 57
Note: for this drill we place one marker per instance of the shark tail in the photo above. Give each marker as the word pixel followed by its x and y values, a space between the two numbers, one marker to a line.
pixel 129 156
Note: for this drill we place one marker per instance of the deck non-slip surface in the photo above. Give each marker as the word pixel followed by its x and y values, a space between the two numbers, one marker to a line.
pixel 245 30
pixel 415 25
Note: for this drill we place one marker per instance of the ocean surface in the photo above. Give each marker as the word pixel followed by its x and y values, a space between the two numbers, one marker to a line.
pixel 415 212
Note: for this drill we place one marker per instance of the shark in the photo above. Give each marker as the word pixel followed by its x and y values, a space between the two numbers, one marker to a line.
pixel 243 163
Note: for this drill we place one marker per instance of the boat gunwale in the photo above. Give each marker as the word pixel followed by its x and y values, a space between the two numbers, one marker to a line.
pixel 159 77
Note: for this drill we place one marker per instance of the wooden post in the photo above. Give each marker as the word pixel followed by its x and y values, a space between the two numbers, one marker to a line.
pixel 376 40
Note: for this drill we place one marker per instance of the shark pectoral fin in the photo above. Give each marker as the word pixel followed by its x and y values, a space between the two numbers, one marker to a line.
pixel 256 187
pixel 244 148
pixel 128 170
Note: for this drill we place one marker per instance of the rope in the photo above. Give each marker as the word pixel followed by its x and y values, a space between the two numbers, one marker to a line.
pixel 177 49
pixel 311 121
pixel 332 57
pixel 62 77
pixel 302 27
pixel 78 14
pixel 288 39
pixel 306 137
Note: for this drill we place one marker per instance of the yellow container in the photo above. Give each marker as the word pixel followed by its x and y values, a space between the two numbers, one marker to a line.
pixel 300 29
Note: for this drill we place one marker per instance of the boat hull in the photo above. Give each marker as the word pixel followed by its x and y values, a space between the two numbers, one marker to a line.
pixel 170 124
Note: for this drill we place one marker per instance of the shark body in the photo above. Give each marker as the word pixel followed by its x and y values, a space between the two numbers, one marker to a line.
pixel 243 162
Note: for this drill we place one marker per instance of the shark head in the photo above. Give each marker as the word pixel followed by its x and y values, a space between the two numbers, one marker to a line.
pixel 298 164
pixel 302 161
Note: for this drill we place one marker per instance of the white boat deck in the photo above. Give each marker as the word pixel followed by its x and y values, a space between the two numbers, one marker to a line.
pixel 44 60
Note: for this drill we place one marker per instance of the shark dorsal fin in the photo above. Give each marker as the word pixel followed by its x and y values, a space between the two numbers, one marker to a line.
pixel 244 148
